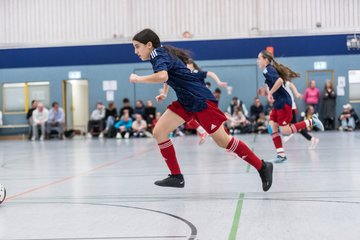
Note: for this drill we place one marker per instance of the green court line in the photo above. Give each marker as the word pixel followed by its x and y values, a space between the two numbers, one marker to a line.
pixel 255 135
pixel 235 225
pixel 248 168
pixel 236 221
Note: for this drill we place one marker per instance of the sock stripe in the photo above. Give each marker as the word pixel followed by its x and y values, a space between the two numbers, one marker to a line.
pixel 234 145
pixel 293 128
pixel 165 144
pixel 274 135
pixel 280 150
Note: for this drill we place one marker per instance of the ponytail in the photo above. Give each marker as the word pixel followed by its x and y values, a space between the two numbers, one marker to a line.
pixel 182 54
pixel 285 73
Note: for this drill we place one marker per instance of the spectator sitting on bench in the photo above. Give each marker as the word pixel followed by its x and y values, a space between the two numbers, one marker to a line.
pixel 124 126
pixel 56 121
pixel 139 126
pixel 96 122
pixel 126 107
pixel 348 118
pixel 110 118
pixel 40 116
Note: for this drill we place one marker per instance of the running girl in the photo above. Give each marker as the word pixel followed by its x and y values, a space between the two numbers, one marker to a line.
pixel 194 101
pixel 275 77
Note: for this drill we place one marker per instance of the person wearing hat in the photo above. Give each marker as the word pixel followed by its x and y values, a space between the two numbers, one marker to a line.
pixel 348 118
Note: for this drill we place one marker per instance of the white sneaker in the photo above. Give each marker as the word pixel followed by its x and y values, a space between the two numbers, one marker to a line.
pixel 127 135
pixel 313 142
pixel 101 135
pixel 88 135
pixel 33 139
pixel 118 135
pixel 317 123
pixel 42 138
pixel 287 138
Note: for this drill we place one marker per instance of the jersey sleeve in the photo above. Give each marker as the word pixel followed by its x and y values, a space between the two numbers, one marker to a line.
pixel 161 62
pixel 201 74
pixel 273 74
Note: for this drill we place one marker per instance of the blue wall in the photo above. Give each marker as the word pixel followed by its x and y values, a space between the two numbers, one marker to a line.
pixel 233 60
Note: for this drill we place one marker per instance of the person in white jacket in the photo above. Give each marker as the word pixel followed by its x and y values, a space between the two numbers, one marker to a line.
pixel 97 119
pixel 40 117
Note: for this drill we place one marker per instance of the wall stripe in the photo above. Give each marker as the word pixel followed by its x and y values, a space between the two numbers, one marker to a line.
pixel 203 50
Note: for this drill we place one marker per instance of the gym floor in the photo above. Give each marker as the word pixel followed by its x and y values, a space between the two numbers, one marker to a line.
pixel 103 189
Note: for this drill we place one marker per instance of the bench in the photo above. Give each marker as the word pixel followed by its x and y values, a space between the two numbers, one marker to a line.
pixel 6 136
pixel 15 126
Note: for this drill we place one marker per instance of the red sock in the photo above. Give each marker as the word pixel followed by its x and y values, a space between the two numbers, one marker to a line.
pixel 243 151
pixel 296 127
pixel 168 152
pixel 278 143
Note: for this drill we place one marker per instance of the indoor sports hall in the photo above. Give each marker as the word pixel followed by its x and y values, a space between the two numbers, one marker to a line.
pixel 109 132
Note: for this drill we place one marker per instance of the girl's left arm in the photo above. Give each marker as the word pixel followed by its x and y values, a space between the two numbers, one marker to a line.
pixel 213 76
pixel 295 91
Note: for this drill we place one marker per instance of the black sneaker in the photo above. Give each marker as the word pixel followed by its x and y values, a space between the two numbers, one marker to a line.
pixel 266 173
pixel 174 180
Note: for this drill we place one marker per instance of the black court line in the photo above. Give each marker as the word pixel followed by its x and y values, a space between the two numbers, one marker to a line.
pixel 192 227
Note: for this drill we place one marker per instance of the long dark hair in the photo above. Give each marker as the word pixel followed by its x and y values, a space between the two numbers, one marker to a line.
pixel 191 61
pixel 285 73
pixel 148 35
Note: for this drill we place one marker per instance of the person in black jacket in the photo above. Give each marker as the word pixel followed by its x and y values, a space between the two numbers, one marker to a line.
pixel 126 107
pixel 29 117
pixel 329 105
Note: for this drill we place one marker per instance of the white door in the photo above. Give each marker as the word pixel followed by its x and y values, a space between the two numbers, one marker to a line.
pixel 77 104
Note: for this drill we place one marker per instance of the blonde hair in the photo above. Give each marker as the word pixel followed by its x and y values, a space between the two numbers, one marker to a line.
pixel 285 73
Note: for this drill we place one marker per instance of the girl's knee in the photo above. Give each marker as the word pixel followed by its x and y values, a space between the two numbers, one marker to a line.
pixel 159 134
pixel 286 131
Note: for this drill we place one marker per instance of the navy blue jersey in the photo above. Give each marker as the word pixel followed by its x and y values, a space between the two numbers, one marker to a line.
pixel 281 96
pixel 190 90
pixel 200 74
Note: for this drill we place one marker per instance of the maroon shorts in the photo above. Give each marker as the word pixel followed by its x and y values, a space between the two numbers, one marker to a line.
pixel 282 116
pixel 211 118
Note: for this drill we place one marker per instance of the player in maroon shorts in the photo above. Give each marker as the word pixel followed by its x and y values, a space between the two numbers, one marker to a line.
pixel 276 75
pixel 195 101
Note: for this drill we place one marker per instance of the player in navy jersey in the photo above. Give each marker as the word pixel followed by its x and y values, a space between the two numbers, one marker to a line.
pixel 195 69
pixel 275 76
pixel 194 101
